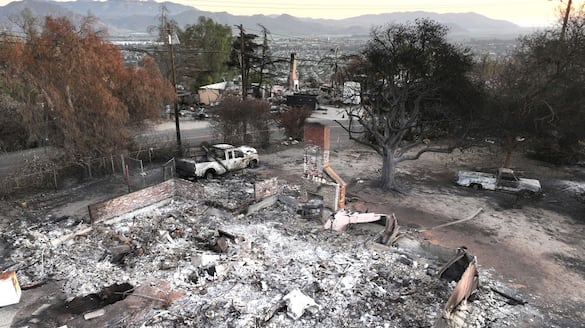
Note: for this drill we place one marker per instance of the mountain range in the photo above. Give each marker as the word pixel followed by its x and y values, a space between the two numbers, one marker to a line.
pixel 134 17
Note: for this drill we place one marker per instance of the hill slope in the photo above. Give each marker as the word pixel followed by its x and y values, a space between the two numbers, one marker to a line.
pixel 123 17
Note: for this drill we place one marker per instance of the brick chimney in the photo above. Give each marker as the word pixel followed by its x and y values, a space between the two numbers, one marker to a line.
pixel 317 169
pixel 293 79
pixel 317 145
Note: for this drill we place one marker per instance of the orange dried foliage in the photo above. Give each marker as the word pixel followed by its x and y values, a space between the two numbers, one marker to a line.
pixel 81 83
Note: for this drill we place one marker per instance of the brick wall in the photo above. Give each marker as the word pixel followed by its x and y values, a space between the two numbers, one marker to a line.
pixel 145 197
pixel 328 191
pixel 313 161
pixel 317 169
pixel 266 188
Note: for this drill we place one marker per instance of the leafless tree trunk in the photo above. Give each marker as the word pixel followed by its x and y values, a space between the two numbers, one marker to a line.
pixel 510 148
pixel 388 178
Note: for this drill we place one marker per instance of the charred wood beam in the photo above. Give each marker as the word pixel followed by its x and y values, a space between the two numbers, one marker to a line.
pixel 512 300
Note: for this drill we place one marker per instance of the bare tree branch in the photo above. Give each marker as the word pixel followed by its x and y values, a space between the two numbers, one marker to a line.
pixel 417 155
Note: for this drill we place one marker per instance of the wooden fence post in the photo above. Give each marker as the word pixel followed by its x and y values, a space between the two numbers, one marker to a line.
pixel 55 177
pixel 127 177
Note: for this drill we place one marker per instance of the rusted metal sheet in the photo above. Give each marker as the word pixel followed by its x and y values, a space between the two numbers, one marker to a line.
pixel 391 231
pixel 9 288
pixel 453 270
pixel 342 185
pixel 342 220
pixel 464 288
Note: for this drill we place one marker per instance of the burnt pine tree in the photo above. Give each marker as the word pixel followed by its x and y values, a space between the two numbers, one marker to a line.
pixel 415 90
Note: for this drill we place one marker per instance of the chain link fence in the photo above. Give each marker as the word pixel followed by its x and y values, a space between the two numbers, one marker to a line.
pixel 138 169
pixel 152 163
pixel 43 179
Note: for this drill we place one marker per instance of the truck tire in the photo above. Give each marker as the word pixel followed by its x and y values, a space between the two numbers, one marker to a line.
pixel 476 186
pixel 526 194
pixel 209 174
pixel 253 164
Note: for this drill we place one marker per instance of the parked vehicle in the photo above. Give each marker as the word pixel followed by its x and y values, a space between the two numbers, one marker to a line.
pixel 217 160
pixel 504 180
pixel 200 113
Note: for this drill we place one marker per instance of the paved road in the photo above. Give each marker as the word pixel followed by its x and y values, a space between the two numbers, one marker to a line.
pixel 195 132
pixel 192 133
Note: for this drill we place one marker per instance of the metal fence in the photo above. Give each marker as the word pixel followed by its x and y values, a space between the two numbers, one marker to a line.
pixel 138 169
pixel 37 180
pixel 139 176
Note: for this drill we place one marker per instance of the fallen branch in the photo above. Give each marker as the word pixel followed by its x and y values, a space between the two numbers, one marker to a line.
pixel 342 273
pixel 62 239
pixel 227 234
pixel 514 299
pixel 145 296
pixel 458 221
pixel 33 284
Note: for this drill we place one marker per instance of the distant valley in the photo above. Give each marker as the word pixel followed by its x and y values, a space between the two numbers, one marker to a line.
pixel 131 17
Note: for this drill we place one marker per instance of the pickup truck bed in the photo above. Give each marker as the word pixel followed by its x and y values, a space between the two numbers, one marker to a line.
pixel 477 180
pixel 475 175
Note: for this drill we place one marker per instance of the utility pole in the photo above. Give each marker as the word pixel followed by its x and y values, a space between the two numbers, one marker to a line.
pixel 174 81
pixel 566 20
pixel 242 63
pixel 334 79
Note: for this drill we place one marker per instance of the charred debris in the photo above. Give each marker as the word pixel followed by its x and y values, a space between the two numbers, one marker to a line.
pixel 238 252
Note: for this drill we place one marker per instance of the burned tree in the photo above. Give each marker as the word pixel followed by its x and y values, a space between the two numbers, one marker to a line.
pixel 415 90
pixel 242 121
pixel 537 97
pixel 76 92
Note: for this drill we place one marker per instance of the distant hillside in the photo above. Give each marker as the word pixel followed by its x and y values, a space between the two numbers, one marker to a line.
pixel 123 17
pixel 36 7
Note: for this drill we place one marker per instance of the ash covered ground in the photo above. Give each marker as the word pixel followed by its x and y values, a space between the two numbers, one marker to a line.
pixel 280 270
pixel 220 268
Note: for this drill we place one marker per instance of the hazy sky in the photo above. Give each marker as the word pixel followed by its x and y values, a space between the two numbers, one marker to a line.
pixel 522 12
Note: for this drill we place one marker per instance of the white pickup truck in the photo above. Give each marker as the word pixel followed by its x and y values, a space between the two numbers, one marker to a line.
pixel 504 180
pixel 217 160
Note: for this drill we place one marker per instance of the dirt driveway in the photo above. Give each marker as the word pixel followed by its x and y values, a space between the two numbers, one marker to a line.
pixel 535 246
